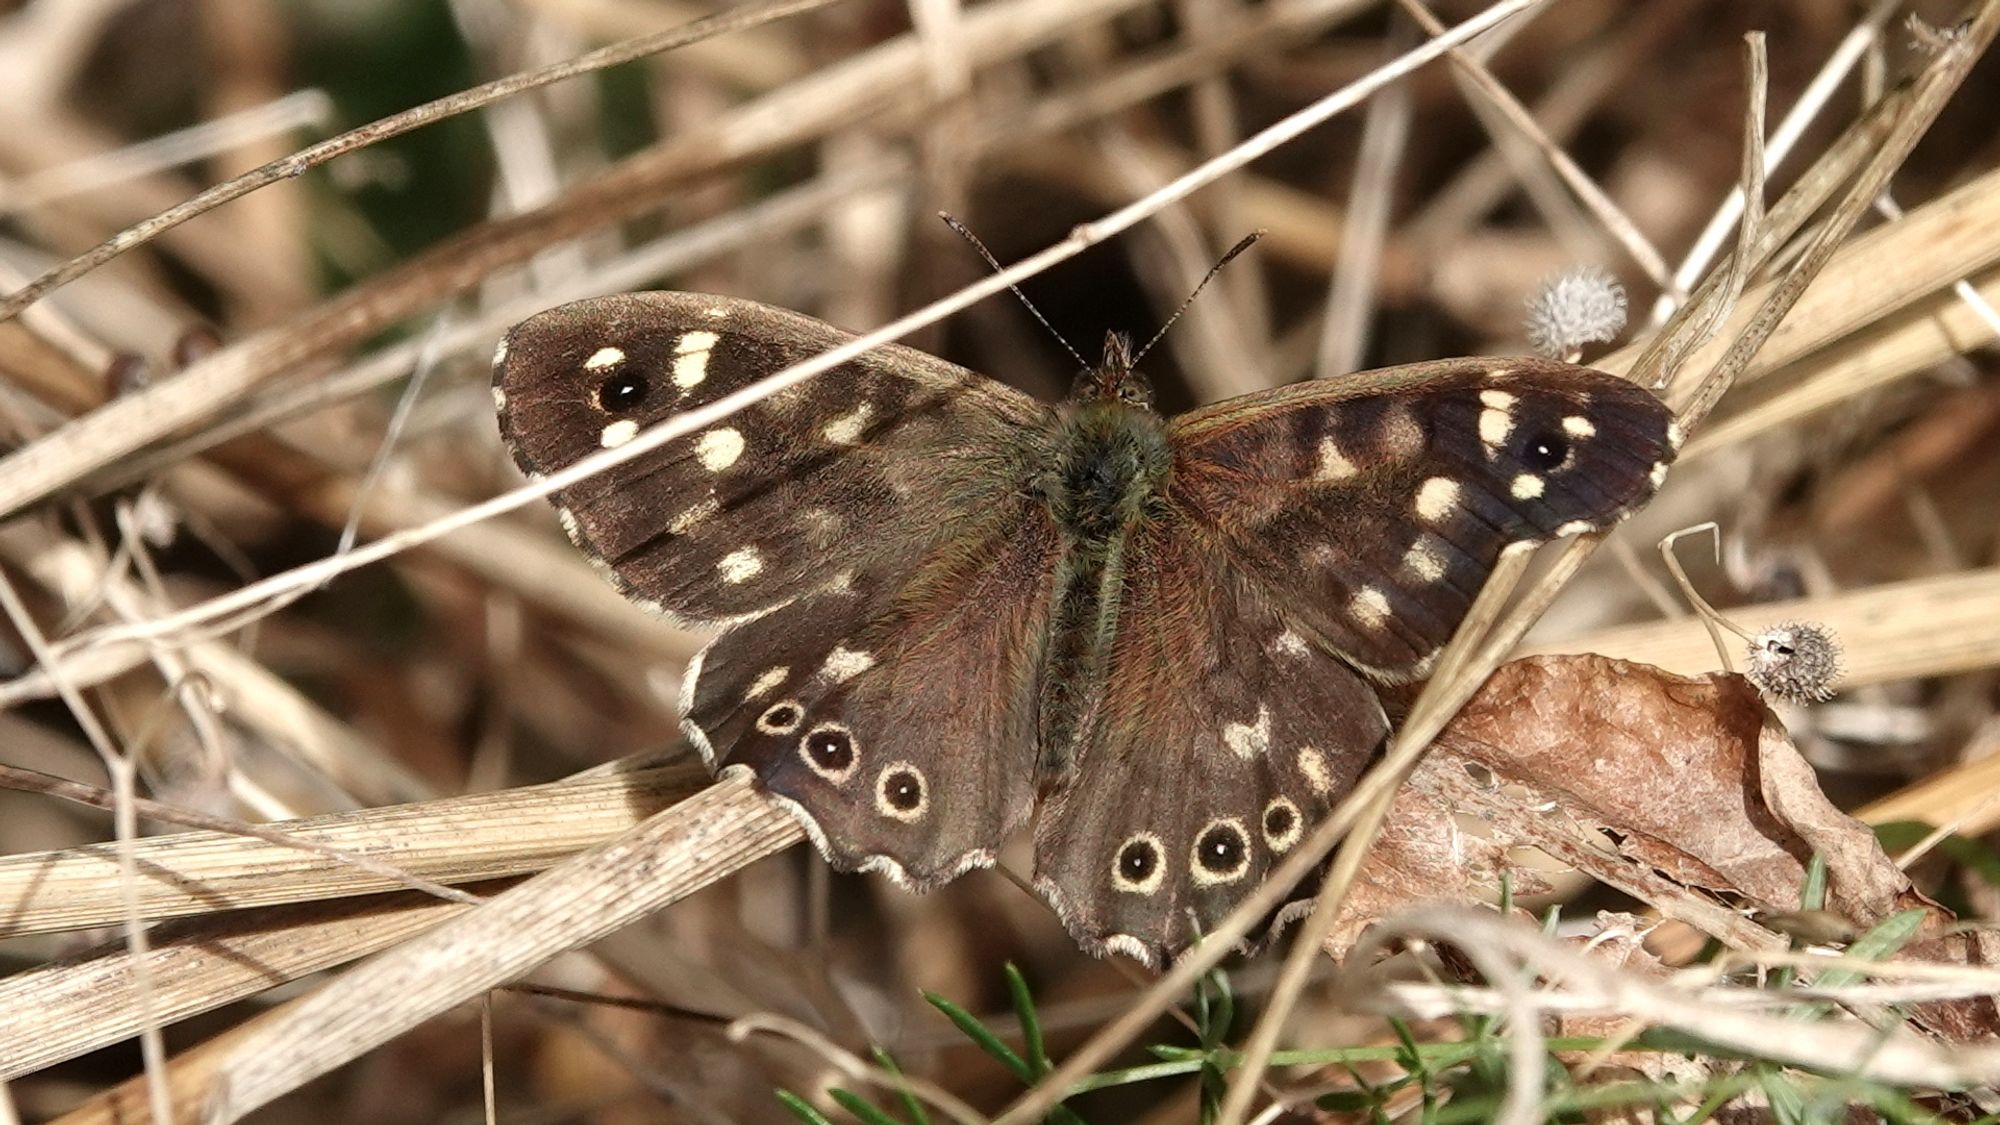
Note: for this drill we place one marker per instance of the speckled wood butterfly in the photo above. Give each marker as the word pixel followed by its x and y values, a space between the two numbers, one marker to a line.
pixel 946 607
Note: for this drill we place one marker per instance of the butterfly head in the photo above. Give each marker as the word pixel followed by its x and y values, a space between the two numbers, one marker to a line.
pixel 1113 380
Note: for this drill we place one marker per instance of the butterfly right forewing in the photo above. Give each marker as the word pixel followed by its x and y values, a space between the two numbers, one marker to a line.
pixel 1376 504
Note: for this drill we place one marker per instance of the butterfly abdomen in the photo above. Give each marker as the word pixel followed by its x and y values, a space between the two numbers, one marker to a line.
pixel 1112 462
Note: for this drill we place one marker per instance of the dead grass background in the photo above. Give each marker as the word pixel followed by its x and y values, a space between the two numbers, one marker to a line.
pixel 799 162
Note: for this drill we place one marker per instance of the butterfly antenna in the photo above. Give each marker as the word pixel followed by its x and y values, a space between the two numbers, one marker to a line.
pixel 1248 241
pixel 965 233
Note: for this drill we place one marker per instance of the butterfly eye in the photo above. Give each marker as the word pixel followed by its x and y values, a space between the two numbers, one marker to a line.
pixel 1545 451
pixel 1221 854
pixel 621 392
pixel 829 750
pixel 1137 866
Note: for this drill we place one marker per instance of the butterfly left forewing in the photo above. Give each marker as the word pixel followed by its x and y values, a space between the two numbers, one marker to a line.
pixel 1376 504
pixel 1220 737
pixel 855 468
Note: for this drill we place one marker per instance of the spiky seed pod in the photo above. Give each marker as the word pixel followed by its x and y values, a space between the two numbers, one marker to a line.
pixel 1796 661
pixel 1585 305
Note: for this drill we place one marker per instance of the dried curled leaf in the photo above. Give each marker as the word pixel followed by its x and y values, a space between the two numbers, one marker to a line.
pixel 1685 792
pixel 1691 778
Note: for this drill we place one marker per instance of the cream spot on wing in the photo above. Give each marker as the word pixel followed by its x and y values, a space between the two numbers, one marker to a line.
pixel 567 519
pixel 499 399
pixel 1312 766
pixel 691 358
pixel 618 433
pixel 719 449
pixel 1333 464
pixel 686 521
pixel 1437 498
pixel 1402 435
pixel 500 352
pixel 741 565
pixel 690 370
pixel 1370 607
pixel 1497 420
pixel 1576 425
pixel 1659 474
pixel 1573 527
pixel 846 429
pixel 1291 644
pixel 716 313
pixel 1676 434
pixel 1424 560
pixel 843 664
pixel 603 358
pixel 1249 740
pixel 1527 486
pixel 767 682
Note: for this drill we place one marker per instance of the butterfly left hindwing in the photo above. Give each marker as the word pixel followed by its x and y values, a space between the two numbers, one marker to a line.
pixel 890 714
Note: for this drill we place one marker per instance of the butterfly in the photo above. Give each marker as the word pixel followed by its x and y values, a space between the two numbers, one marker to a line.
pixel 946 608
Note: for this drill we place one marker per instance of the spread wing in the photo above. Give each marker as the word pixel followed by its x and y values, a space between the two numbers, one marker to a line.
pixel 1221 735
pixel 1374 506
pixel 856 468
pixel 867 538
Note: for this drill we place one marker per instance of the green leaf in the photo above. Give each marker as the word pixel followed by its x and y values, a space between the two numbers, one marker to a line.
pixel 860 1107
pixel 982 1036
pixel 1031 1027
pixel 801 1108
pixel 1878 944
pixel 1788 1103
pixel 1812 896
pixel 911 1105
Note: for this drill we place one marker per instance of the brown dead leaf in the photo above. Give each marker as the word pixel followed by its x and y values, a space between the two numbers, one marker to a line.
pixel 1959 1020
pixel 1692 778
pixel 1422 855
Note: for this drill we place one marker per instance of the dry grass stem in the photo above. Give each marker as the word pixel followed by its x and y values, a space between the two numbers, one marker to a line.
pixel 195 615
pixel 457 840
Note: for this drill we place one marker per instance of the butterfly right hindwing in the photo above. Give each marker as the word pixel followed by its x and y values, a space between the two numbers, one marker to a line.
pixel 1221 737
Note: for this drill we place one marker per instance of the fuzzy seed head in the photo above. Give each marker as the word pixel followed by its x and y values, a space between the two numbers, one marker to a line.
pixel 1798 662
pixel 1583 306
